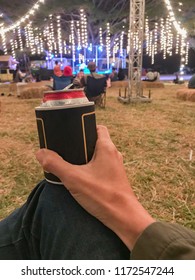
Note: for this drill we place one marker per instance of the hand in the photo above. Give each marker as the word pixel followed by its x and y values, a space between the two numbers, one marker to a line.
pixel 102 188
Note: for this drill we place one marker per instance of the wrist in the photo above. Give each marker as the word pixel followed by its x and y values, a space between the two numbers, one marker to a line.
pixel 129 219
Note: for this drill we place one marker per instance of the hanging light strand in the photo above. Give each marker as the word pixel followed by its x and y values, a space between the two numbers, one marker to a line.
pixel 22 20
pixel 73 41
pixel 176 24
pixel 59 34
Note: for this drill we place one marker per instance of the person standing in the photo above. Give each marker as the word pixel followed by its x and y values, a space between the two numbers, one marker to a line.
pixel 57 71
pixel 113 75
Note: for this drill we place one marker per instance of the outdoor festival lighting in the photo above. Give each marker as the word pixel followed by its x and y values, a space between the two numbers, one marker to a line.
pixel 26 36
pixel 65 46
pixel 150 43
pixel 41 42
pixel 59 34
pixel 15 40
pixel 100 35
pixel 147 31
pixel 177 26
pixel 31 37
pixel 169 36
pixel 177 43
pixel 83 24
pixel 73 40
pixel 162 34
pixel 3 40
pixel 78 35
pixel 108 43
pixel 128 41
pixel 20 38
pixel 51 33
pixel 156 38
pixel 46 35
pixel 121 43
pixel 12 48
pixel 38 41
pixel 187 53
pixel 31 12
pixel 115 49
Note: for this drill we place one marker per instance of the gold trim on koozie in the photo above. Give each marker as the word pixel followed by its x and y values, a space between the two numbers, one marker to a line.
pixel 44 136
pixel 43 130
pixel 84 136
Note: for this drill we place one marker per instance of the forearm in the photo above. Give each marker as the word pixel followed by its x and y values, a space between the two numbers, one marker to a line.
pixel 128 219
pixel 163 241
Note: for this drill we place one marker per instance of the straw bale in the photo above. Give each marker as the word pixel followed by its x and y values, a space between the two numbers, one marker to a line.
pixel 124 84
pixel 186 94
pixel 120 84
pixel 32 92
pixel 152 84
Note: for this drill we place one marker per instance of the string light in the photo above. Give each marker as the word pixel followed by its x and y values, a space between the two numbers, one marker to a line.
pixel 108 43
pixel 166 35
pixel 150 43
pixel 78 35
pixel 65 47
pixel 73 41
pixel 177 43
pixel 121 43
pixel 115 49
pixel 83 24
pixel 53 37
pixel 162 34
pixel 15 40
pixel 59 34
pixel 31 38
pixel 20 38
pixel 156 38
pixel 12 48
pixel 147 31
pixel 100 36
pixel 177 26
pixel 169 36
pixel 3 41
pixel 31 12
pixel 51 34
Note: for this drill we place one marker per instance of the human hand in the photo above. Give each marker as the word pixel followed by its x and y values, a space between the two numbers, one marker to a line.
pixel 102 188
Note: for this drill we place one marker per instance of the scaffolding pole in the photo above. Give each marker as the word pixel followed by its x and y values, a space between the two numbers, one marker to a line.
pixel 136 38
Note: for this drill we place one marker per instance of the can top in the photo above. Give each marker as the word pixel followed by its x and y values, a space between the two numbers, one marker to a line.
pixel 64 97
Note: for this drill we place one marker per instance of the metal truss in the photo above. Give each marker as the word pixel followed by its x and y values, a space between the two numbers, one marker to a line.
pixel 136 38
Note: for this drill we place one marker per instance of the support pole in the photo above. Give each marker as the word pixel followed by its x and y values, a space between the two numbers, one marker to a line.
pixel 136 29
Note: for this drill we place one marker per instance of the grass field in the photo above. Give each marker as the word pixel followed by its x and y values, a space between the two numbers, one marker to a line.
pixel 157 141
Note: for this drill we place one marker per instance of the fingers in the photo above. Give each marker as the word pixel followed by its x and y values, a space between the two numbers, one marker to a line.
pixel 103 138
pixel 53 163
pixel 102 132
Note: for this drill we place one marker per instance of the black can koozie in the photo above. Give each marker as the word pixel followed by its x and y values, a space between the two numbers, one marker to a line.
pixel 68 128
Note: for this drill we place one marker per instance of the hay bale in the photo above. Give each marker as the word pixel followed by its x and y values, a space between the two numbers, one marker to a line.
pixel 32 92
pixel 125 84
pixel 4 89
pixel 152 84
pixel 186 94
pixel 120 84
